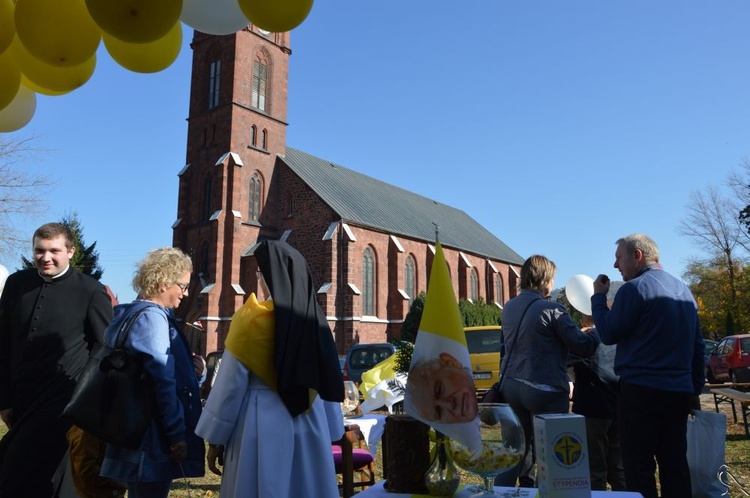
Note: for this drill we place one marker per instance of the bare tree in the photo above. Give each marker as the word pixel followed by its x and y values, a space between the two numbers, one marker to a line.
pixel 713 223
pixel 21 193
pixel 739 182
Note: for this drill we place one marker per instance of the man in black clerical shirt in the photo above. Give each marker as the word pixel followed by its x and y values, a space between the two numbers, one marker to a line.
pixel 50 317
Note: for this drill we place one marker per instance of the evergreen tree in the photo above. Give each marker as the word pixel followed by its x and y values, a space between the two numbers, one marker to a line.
pixel 479 313
pixel 473 314
pixel 86 258
pixel 410 326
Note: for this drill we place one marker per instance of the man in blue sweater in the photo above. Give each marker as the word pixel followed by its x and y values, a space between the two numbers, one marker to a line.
pixel 654 322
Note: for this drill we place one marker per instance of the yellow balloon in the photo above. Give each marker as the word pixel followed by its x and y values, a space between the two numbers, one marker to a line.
pixel 37 89
pixel 59 32
pixel 135 21
pixel 276 15
pixel 19 112
pixel 7 25
pixel 146 57
pixel 10 79
pixel 55 78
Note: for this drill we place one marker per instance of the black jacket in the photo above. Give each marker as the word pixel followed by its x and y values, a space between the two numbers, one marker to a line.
pixel 595 391
pixel 46 332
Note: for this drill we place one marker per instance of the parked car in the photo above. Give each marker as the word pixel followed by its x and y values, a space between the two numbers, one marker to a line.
pixel 730 360
pixel 362 357
pixel 484 350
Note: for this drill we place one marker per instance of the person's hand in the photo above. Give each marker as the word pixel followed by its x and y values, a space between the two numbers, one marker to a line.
pixel 601 284
pixel 178 451
pixel 6 416
pixel 199 365
pixel 215 453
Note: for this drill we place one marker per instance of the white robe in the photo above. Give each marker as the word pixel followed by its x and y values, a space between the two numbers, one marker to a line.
pixel 269 454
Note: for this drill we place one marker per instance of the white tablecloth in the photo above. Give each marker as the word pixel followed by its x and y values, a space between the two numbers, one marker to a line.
pixel 377 491
pixel 372 427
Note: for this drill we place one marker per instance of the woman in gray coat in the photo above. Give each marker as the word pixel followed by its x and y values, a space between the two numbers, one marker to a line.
pixel 538 336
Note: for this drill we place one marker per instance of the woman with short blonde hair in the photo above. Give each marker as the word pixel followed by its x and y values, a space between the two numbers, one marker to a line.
pixel 160 267
pixel 169 448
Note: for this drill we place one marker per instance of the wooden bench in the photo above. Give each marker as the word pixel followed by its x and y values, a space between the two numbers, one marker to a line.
pixel 728 395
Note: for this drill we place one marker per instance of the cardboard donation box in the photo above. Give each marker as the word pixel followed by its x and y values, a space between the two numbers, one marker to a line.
pixel 561 456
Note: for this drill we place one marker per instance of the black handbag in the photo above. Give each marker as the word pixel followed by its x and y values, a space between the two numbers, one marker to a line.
pixel 113 397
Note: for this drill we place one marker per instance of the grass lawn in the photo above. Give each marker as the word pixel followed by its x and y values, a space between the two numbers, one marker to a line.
pixel 737 458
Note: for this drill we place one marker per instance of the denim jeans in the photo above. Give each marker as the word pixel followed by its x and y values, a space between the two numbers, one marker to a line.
pixel 528 401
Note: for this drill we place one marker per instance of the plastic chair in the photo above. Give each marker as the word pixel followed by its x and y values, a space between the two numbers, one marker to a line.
pixel 351 461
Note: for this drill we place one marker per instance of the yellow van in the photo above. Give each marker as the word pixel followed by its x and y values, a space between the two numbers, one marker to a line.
pixel 484 351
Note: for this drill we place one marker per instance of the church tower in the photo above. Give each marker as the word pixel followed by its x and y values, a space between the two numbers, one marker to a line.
pixel 236 129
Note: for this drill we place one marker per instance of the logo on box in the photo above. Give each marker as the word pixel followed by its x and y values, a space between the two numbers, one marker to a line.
pixel 568 450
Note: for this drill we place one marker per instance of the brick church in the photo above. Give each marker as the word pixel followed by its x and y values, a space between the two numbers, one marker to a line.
pixel 369 244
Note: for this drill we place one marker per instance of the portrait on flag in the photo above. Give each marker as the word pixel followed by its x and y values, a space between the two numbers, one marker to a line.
pixel 440 387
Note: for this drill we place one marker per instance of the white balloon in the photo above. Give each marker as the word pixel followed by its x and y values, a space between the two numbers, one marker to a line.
pixel 3 277
pixel 19 112
pixel 214 17
pixel 579 290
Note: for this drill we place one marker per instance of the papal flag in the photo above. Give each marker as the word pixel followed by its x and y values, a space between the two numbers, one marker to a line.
pixel 440 388
pixel 382 385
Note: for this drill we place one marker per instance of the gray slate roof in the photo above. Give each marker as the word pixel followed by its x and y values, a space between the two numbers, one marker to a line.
pixel 362 200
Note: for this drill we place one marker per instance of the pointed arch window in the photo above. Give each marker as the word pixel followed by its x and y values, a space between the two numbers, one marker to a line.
pixel 207 197
pixel 498 290
pixel 254 136
pixel 410 279
pixel 264 140
pixel 214 78
pixel 474 285
pixel 203 263
pixel 253 210
pixel 289 206
pixel 368 282
pixel 260 84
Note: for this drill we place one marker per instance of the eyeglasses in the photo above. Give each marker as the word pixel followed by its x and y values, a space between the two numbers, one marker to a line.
pixel 183 286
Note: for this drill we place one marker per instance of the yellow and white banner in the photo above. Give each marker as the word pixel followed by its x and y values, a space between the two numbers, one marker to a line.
pixel 382 386
pixel 440 390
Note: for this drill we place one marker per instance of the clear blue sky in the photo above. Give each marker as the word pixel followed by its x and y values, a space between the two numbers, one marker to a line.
pixel 559 126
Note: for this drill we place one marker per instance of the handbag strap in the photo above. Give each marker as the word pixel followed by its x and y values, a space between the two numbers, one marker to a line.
pixel 507 356
pixel 122 335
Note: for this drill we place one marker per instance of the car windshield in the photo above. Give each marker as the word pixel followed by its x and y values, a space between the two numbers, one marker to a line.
pixel 483 341
pixel 369 357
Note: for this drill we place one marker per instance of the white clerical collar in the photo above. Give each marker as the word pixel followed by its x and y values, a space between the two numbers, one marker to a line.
pixel 50 279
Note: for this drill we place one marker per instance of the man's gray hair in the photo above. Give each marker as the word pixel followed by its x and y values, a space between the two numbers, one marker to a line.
pixel 642 242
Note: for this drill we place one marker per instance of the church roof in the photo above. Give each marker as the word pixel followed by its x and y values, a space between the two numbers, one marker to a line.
pixel 366 201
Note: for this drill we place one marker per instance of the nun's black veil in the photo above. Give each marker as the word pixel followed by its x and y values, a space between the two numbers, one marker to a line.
pixel 305 354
